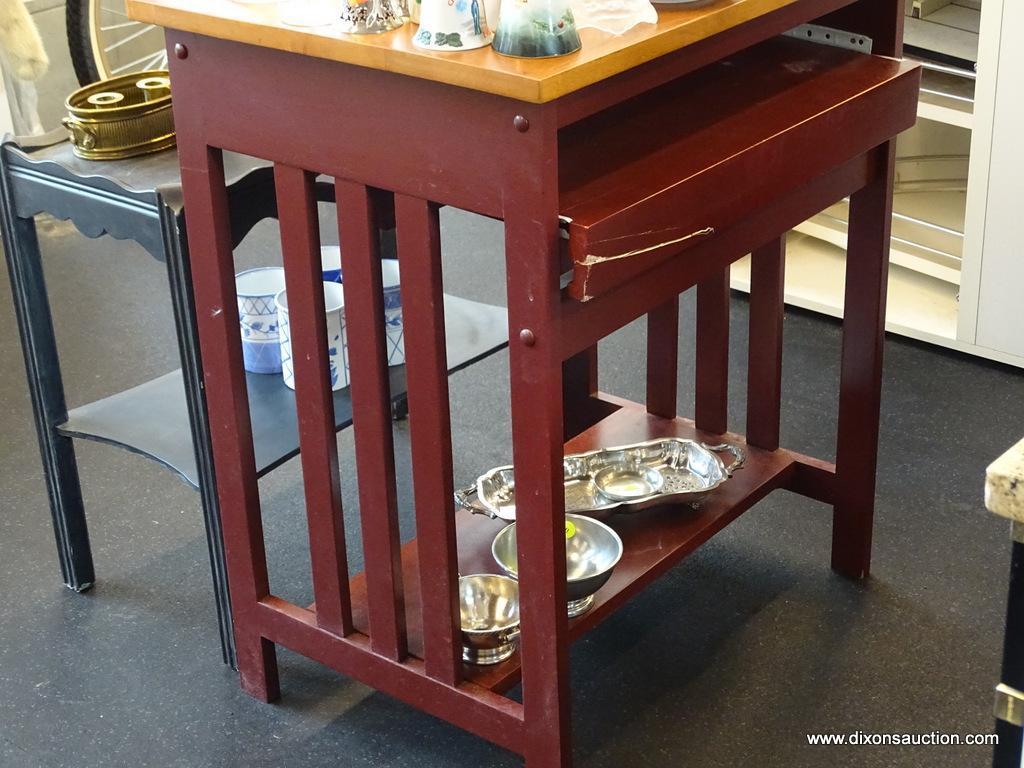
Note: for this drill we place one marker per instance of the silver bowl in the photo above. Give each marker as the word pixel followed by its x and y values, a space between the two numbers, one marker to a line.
pixel 489 609
pixel 592 550
pixel 629 483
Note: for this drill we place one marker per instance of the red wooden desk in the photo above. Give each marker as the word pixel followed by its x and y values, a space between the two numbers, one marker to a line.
pixel 665 166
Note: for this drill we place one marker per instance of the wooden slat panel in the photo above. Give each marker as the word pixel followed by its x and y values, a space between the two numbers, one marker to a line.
pixel 371 409
pixel 300 245
pixel 764 367
pixel 663 358
pixel 419 249
pixel 711 411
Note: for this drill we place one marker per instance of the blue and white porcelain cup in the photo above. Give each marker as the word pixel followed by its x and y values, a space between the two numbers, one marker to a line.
pixel 330 263
pixel 257 316
pixel 337 343
pixel 393 312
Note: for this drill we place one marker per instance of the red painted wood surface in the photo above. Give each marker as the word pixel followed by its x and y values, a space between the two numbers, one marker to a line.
pixel 538 423
pixel 663 358
pixel 469 706
pixel 419 250
pixel 371 411
pixel 579 385
pixel 300 246
pixel 756 134
pixel 711 396
pixel 860 392
pixel 764 359
pixel 583 323
pixel 778 140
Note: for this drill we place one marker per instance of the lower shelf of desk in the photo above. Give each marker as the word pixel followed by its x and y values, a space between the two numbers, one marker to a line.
pixel 655 539
pixel 152 418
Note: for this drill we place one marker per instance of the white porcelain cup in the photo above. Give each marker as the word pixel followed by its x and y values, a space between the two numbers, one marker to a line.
pixel 330 263
pixel 337 344
pixel 257 316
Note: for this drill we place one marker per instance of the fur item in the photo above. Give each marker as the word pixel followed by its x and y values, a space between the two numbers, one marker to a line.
pixel 20 44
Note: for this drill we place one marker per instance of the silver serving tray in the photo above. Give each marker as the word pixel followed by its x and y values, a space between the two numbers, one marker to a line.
pixel 688 471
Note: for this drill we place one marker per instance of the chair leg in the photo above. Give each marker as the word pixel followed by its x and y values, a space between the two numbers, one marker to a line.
pixel 179 274
pixel 42 365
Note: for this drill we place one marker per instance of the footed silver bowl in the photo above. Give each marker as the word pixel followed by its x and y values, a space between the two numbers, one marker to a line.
pixel 592 550
pixel 489 609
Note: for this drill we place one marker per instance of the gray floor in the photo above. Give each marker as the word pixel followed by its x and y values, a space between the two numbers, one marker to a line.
pixel 730 659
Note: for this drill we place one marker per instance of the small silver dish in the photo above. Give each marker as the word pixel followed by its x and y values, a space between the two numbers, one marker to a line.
pixel 489 610
pixel 629 483
pixel 592 550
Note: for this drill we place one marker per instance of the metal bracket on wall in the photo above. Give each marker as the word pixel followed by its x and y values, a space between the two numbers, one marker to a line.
pixel 1009 705
pixel 837 38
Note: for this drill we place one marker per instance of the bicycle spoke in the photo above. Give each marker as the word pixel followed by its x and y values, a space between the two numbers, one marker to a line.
pixel 123 25
pixel 129 38
pixel 148 60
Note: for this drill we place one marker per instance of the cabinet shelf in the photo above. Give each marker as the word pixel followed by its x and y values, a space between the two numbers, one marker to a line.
pixel 948 35
pixel 152 418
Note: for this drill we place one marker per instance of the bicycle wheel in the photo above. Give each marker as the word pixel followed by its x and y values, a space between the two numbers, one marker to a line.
pixel 104 42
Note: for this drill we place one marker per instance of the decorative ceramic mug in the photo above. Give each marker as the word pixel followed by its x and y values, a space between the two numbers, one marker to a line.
pixel 536 29
pixel 337 343
pixel 257 316
pixel 393 312
pixel 453 25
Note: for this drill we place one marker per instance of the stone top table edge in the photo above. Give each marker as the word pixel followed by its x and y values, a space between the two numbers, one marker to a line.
pixel 531 80
pixel 1004 484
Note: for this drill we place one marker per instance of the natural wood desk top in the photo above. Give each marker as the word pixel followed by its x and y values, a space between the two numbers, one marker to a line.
pixel 536 80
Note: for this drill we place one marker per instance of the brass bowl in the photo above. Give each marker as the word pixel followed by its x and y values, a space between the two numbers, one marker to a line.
pixel 123 117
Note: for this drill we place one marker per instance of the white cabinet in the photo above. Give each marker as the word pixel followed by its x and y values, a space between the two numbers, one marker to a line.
pixel 956 271
pixel 997 227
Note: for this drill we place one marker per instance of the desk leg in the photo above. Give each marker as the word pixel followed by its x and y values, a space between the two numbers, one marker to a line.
pixel 35 325
pixel 531 228
pixel 860 386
